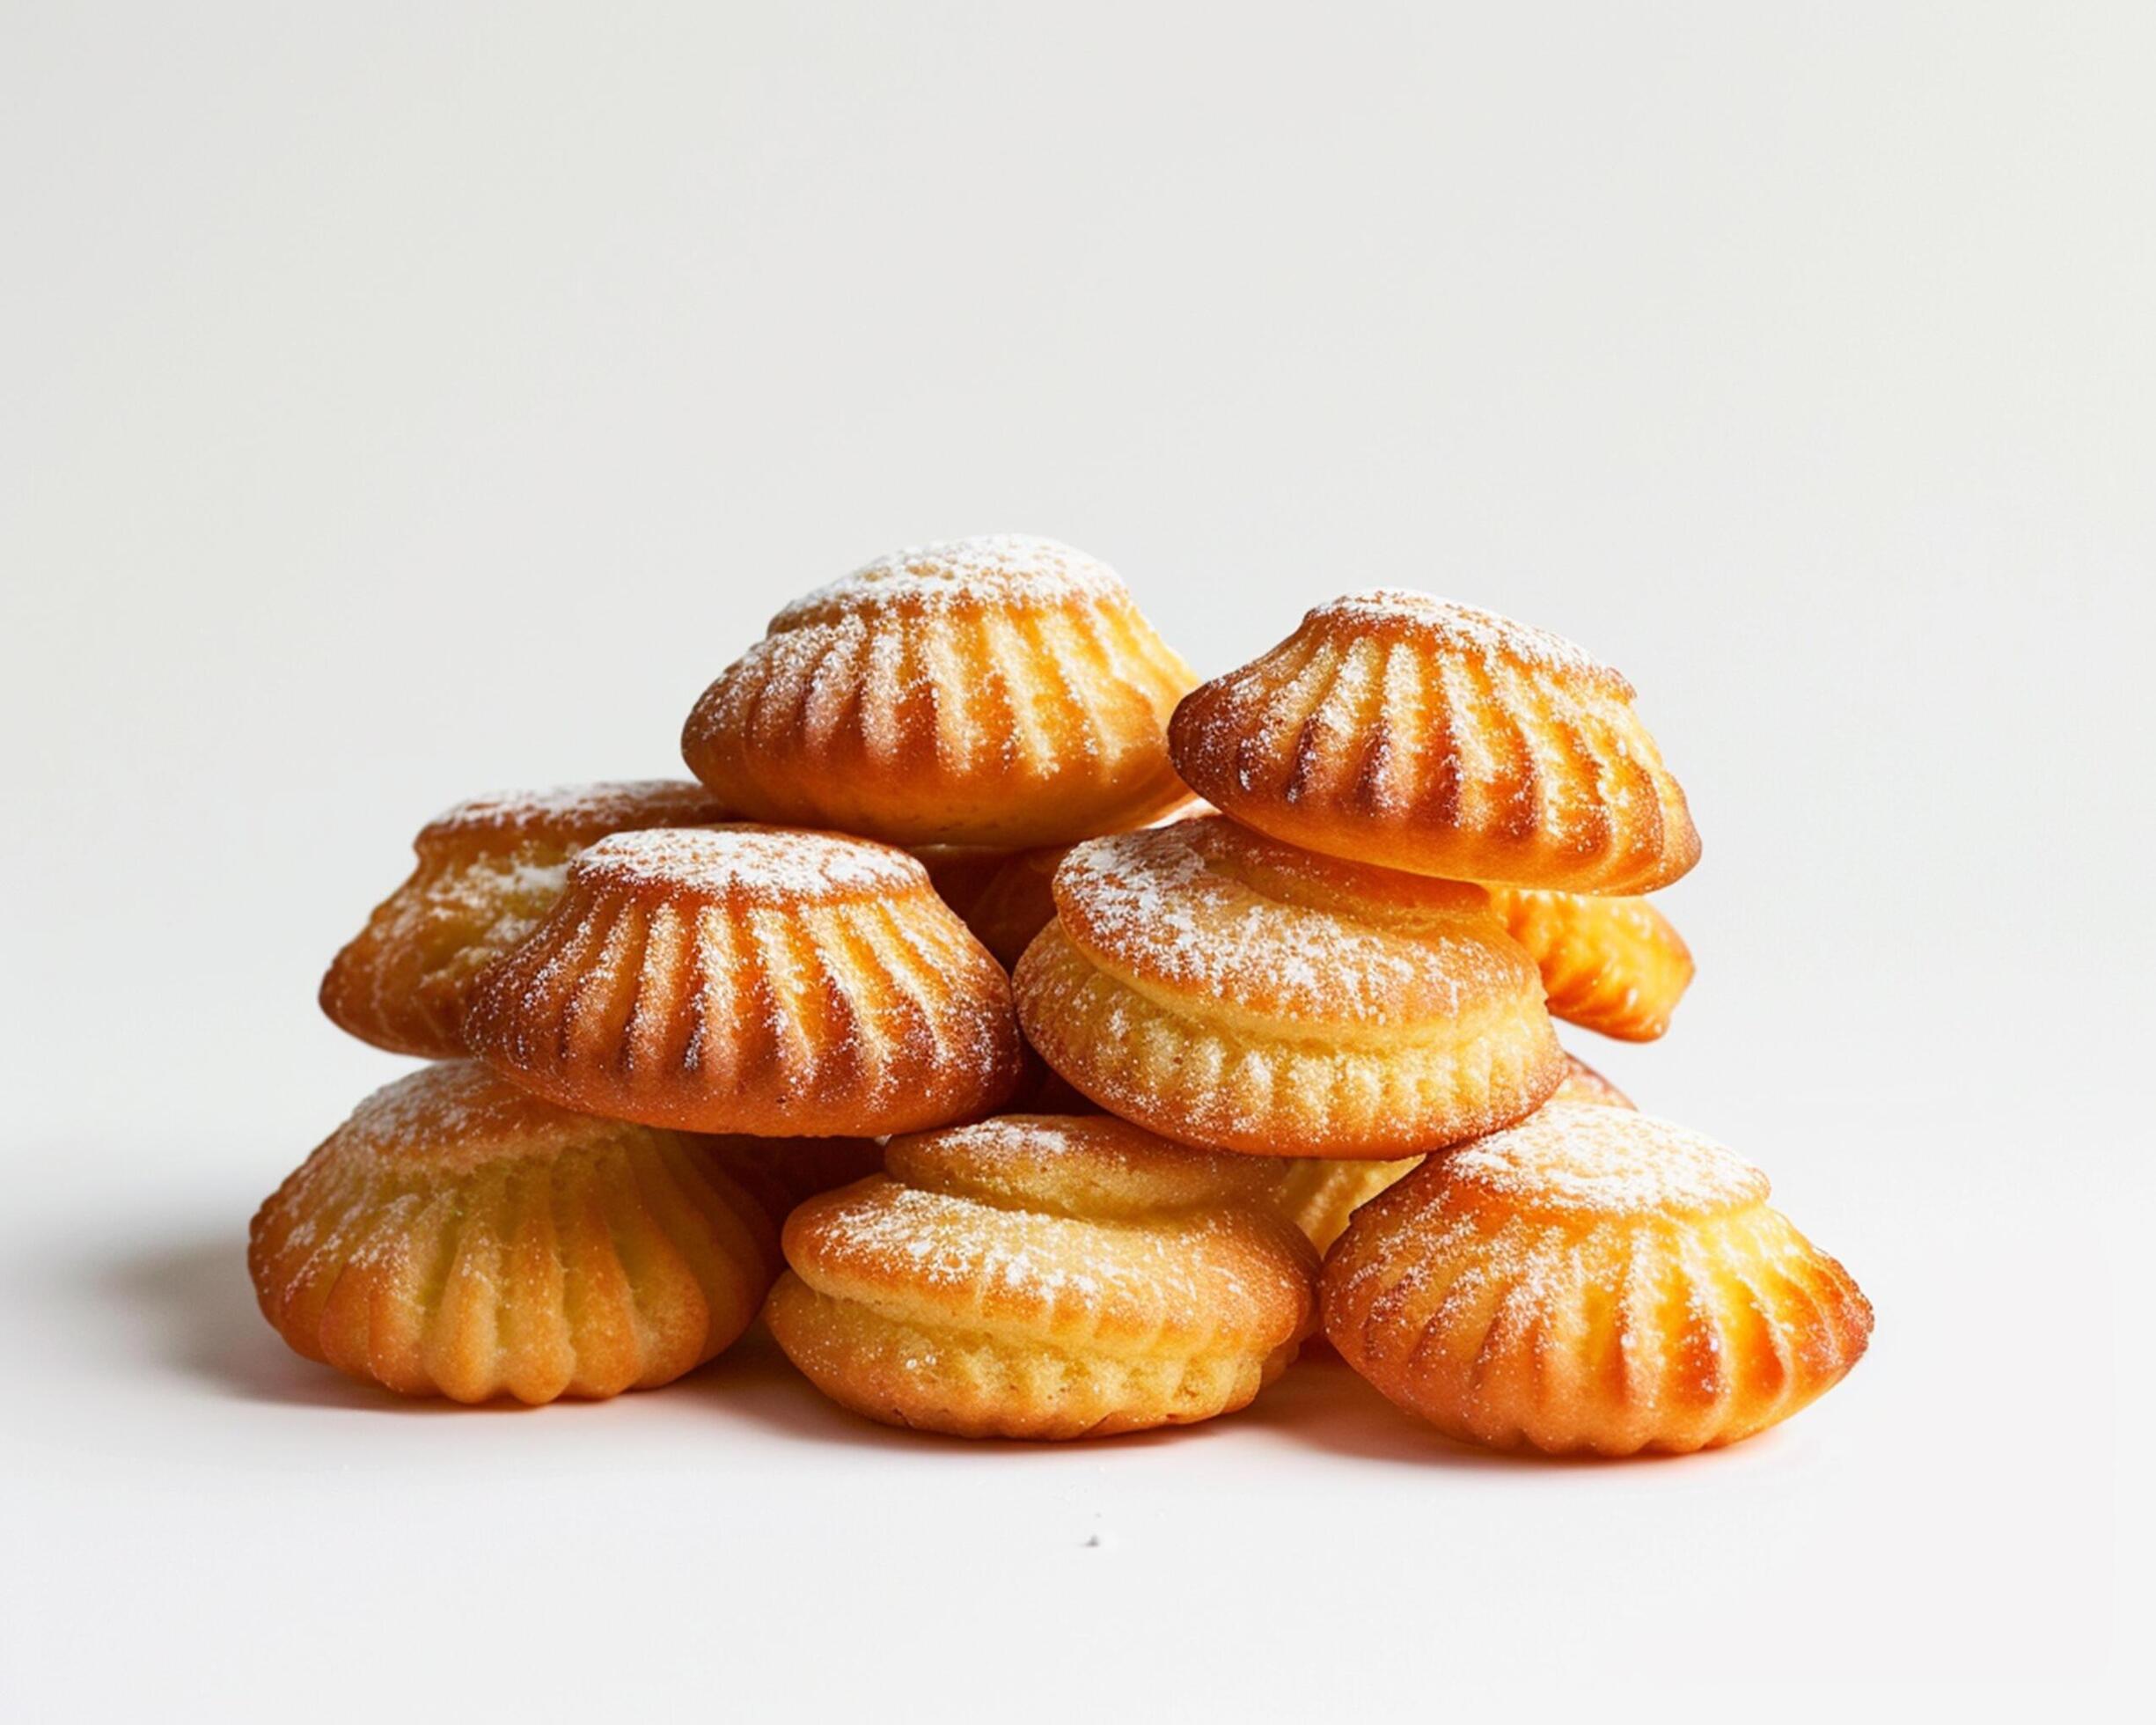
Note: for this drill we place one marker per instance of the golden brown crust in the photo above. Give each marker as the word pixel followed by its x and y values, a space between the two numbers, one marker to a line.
pixel 1616 965
pixel 1406 730
pixel 752 978
pixel 1225 989
pixel 1002 691
pixel 488 870
pixel 458 1237
pixel 1590 1281
pixel 1043 1277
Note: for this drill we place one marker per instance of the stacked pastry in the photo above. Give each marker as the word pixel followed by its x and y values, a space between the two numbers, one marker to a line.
pixel 1048 1046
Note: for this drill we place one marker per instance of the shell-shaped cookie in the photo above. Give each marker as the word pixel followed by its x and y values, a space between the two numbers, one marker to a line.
pixel 1002 691
pixel 1400 728
pixel 1319 1196
pixel 1616 965
pixel 1591 1281
pixel 752 979
pixel 488 869
pixel 1222 988
pixel 1044 1277
pixel 458 1237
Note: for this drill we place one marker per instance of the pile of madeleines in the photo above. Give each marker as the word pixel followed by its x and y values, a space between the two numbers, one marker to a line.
pixel 1046 1045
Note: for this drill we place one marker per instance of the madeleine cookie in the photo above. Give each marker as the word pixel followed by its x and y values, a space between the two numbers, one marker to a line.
pixel 458 1237
pixel 752 979
pixel 1398 729
pixel 1035 1276
pixel 1002 691
pixel 488 870
pixel 1592 1279
pixel 1222 988
pixel 1616 965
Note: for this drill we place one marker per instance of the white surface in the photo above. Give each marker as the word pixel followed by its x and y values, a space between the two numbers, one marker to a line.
pixel 396 409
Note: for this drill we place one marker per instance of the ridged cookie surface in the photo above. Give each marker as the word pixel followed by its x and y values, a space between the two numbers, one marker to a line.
pixel 488 870
pixel 1590 1281
pixel 1002 691
pixel 752 978
pixel 1398 729
pixel 1616 965
pixel 458 1237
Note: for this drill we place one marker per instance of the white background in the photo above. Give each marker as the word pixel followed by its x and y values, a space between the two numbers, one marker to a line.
pixel 399 402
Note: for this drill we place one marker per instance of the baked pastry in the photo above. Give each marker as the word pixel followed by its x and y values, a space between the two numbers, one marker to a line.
pixel 1034 1276
pixel 1616 965
pixel 1592 1279
pixel 1403 730
pixel 488 870
pixel 1002 691
pixel 752 979
pixel 1319 1196
pixel 458 1237
pixel 1225 989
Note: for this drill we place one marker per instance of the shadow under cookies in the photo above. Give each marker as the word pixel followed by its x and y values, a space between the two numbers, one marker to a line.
pixel 188 1305
pixel 753 1380
pixel 190 1302
pixel 1322 1402
pixel 1319 1403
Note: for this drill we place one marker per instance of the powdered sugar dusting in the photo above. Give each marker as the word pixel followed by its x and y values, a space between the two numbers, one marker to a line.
pixel 1463 628
pixel 1173 903
pixel 776 866
pixel 1071 1239
pixel 1581 1158
pixel 994 569
pixel 578 811
pixel 1089 1165
pixel 462 1106
pixel 950 1241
